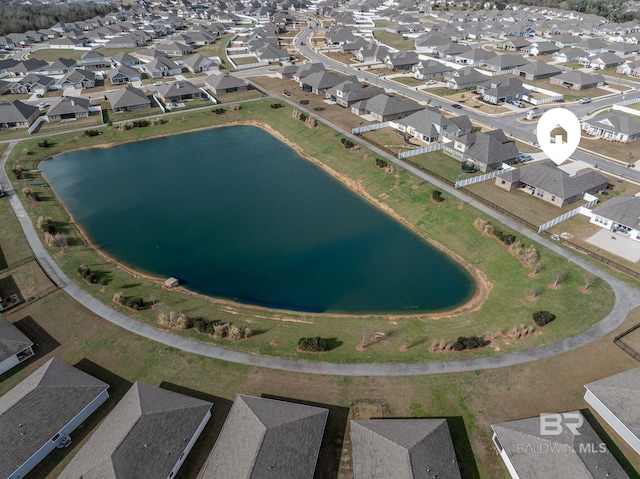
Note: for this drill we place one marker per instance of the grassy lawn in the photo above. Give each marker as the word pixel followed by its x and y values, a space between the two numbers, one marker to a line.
pixel 442 91
pixel 394 40
pixel 249 94
pixel 217 48
pixel 345 58
pixel 52 54
pixel 447 223
pixel 109 52
pixel 409 81
pixel 94 119
pixel 625 152
pixel 389 138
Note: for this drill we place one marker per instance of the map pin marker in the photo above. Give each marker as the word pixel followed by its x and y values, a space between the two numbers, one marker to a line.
pixel 558 134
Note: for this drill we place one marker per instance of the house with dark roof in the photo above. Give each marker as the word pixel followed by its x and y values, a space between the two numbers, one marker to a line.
pixel 267 438
pixel 93 59
pixel 219 84
pixel 372 52
pixel 68 108
pixel 32 83
pixel 540 48
pixel 161 67
pixel 620 215
pixel 339 35
pixel 529 452
pixel 474 57
pixel 24 67
pixel 174 49
pixel 40 413
pixel 464 79
pixel 577 80
pixel 17 114
pixel 549 183
pixel 515 44
pixel 613 126
pixel 197 63
pixel 486 151
pixel 15 347
pixel 402 60
pixel 385 108
pixel 431 126
pixel 602 60
pixel 319 82
pixel 499 90
pixel 149 433
pixel 537 70
pixel 403 449
pixel 506 62
pixel 77 79
pixel 349 92
pixel 123 74
pixel 178 91
pixel 617 398
pixel 128 98
pixel 60 67
pixel 123 58
pixel 428 69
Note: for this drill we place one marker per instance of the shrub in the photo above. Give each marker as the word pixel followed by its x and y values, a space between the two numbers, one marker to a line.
pixel 311 122
pixel 91 132
pixel 18 172
pixel 86 274
pixel 542 318
pixel 46 225
pixel 470 342
pixel 175 320
pixel 506 238
pixel 346 143
pixel 380 163
pixel 205 326
pixel 134 302
pixel 315 345
pixel 44 143
pixel 437 196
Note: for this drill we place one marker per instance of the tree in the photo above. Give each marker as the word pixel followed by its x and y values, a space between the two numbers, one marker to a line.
pixel 534 291
pixel 558 277
pixel 543 317
pixel 589 280
pixel 536 267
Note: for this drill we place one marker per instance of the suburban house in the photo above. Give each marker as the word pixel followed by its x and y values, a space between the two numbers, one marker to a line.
pixel 78 80
pixel 529 453
pixel 174 49
pixel 617 400
pixel 498 90
pixel 570 55
pixel 149 433
pixel 430 125
pixel 602 60
pixel 126 59
pixel 402 60
pixel 128 98
pixel 515 44
pixel 385 108
pixel 429 42
pixel 349 92
pixel 15 347
pixel 506 62
pixel 224 83
pixel 123 74
pixel 372 52
pixel 549 183
pixel 267 438
pixel 428 69
pixel 620 215
pixel 319 82
pixel 592 45
pixel 179 91
pixel 197 63
pixel 403 448
pixel 613 126
pixel 577 80
pixel 25 67
pixel 354 46
pixel 17 114
pixel 40 413
pixel 59 67
pixel 464 79
pixel 537 70
pixel 68 108
pixel 161 67
pixel 93 59
pixel 540 48
pixel 630 68
pixel 474 57
pixel 486 151
pixel 32 83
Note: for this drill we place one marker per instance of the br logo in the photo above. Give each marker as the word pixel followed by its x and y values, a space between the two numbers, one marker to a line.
pixel 554 424
pixel 558 134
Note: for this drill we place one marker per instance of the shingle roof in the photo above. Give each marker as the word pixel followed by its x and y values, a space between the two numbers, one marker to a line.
pixel 143 436
pixel 385 105
pixel 15 111
pixel 12 340
pixel 565 456
pixel 617 122
pixel 624 210
pixel 403 449
pixel 353 91
pixel 223 82
pixel 36 409
pixel 504 62
pixel 178 88
pixel 68 104
pixel 580 78
pixel 267 439
pixel 490 148
pixel 127 96
pixel 422 121
pixel 539 68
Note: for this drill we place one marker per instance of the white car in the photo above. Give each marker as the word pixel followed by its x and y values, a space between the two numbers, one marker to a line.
pixel 431 82
pixel 585 100
pixel 158 83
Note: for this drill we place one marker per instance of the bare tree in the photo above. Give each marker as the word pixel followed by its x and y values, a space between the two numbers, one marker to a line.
pixel 536 268
pixel 589 280
pixel 534 291
pixel 558 276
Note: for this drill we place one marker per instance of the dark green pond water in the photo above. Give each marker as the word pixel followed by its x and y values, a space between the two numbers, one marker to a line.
pixel 235 213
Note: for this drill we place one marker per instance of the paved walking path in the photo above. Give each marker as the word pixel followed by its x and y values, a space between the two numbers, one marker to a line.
pixel 627 298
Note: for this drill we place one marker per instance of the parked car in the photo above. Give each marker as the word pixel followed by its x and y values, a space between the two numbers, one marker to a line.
pixel 585 100
pixel 523 157
pixel 457 106
pixel 158 83
pixel 431 82
pixel 517 103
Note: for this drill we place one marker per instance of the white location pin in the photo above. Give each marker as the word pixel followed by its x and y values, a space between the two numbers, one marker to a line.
pixel 558 134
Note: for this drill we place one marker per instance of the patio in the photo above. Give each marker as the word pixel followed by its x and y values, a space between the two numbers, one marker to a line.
pixel 616 243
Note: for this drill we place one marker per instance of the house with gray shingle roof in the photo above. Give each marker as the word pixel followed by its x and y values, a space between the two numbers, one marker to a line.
pixel 161 67
pixel 431 126
pixel 197 63
pixel 570 55
pixel 41 412
pixel 620 214
pixel 474 56
pixel 577 80
pixel 504 62
pixel 267 439
pixel 602 60
pixel 541 48
pixel 17 114
pixel 385 108
pixel 149 433
pixel 15 347
pixel 77 79
pixel 487 151
pixel 68 108
pixel 123 58
pixel 515 44
pixel 224 83
pixel 499 90
pixel 613 126
pixel 372 52
pixel 537 70
pixel 178 91
pixel 549 183
pixel 349 92
pixel 530 454
pixel 319 82
pixel 428 69
pixel 32 83
pixel 402 60
pixel 123 74
pixel 465 78
pixel 128 98
pixel 403 449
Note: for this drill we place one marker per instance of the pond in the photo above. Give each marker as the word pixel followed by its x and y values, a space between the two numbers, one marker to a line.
pixel 235 213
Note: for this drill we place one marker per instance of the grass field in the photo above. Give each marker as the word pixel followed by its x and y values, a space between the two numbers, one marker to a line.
pixel 394 40
pixel 52 54
pixel 448 224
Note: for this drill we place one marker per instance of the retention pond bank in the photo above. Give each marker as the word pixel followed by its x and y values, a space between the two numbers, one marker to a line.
pixel 237 214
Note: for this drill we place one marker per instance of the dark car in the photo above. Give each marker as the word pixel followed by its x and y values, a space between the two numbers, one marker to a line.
pixel 457 106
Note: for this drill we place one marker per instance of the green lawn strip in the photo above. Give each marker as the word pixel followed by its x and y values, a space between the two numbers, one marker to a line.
pixel 13 247
pixel 217 48
pixel 445 223
pixel 393 40
pixel 409 81
pixel 53 54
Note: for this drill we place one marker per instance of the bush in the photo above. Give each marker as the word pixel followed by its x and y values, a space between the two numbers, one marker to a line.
pixel 506 238
pixel 134 302
pixel 314 345
pixel 437 196
pixel 175 320
pixel 91 132
pixel 470 342
pixel 88 275
pixel 380 163
pixel 44 143
pixel 542 318
pixel 46 225
pixel 347 144
pixel 205 326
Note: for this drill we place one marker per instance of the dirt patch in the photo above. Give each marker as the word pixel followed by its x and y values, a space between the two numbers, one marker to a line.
pixel 584 290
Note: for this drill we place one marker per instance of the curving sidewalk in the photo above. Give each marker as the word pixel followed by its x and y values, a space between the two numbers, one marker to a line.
pixel 627 298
